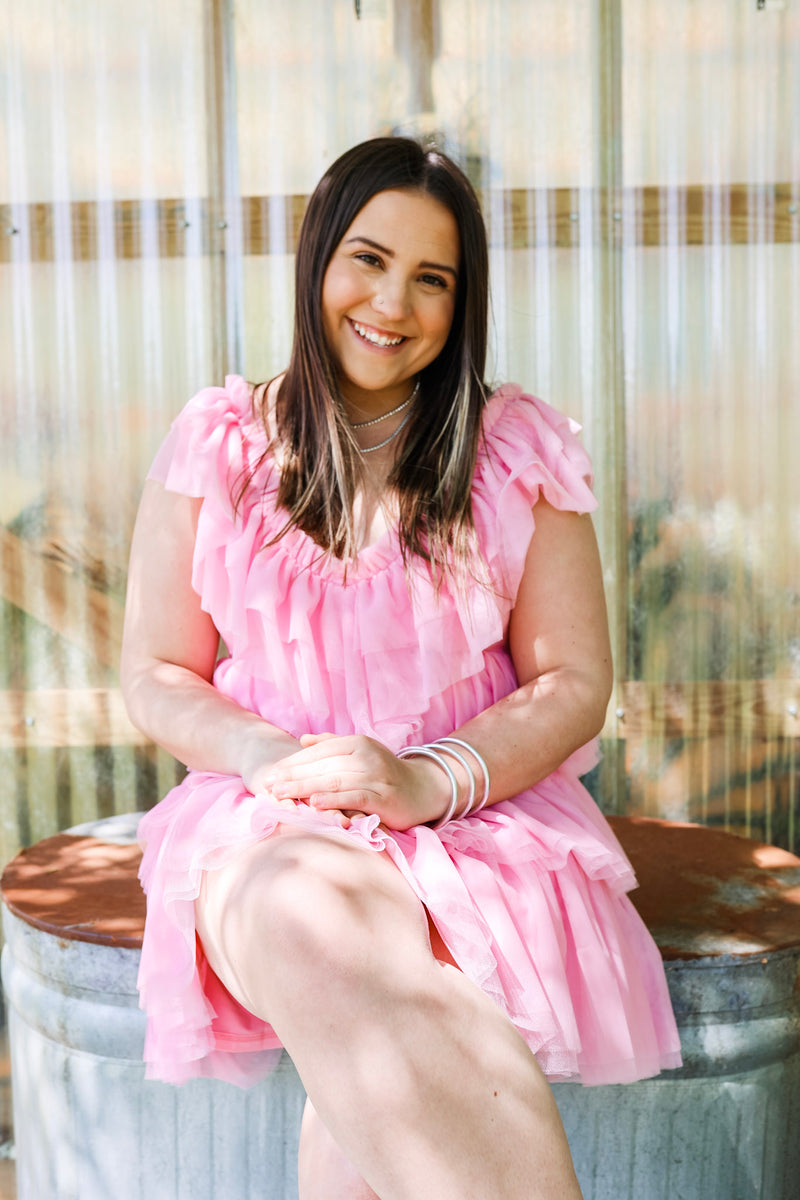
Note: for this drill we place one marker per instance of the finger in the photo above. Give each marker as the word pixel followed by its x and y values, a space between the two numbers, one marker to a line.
pixel 332 814
pixel 352 801
pixel 320 750
pixel 276 801
pixel 311 739
pixel 329 775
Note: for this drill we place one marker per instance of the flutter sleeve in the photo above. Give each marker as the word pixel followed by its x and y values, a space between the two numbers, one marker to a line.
pixel 203 451
pixel 529 451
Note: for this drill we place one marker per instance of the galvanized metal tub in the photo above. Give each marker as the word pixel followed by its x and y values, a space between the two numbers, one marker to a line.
pixel 88 1126
pixel 724 911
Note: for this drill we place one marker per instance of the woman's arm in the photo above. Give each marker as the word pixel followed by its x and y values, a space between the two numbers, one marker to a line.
pixel 169 650
pixel 559 643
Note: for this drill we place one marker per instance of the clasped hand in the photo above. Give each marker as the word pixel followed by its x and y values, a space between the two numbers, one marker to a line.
pixel 355 776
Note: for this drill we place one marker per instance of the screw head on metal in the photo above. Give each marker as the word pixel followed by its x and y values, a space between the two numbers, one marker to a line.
pixel 222 224
pixel 792 709
pixel 619 713
pixel 29 721
pixel 793 208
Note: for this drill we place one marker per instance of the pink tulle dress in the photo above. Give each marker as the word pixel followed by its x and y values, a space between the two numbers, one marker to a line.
pixel 529 895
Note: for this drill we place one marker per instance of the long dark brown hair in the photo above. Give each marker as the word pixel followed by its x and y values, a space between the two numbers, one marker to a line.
pixel 321 465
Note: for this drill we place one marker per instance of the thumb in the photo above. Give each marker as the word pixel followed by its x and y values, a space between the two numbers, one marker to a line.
pixel 311 739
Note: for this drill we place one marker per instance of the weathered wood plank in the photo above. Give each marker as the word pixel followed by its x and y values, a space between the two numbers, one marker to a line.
pixel 691 215
pixel 60 599
pixel 66 717
pixel 759 708
pixel 85 230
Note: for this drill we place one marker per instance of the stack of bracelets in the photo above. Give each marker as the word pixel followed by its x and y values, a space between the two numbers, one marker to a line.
pixel 436 750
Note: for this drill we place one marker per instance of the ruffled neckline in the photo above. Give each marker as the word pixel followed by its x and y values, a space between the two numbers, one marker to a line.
pixel 384 552
pixel 525 449
pixel 376 655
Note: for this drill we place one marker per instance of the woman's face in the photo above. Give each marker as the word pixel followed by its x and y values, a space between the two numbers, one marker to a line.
pixel 388 296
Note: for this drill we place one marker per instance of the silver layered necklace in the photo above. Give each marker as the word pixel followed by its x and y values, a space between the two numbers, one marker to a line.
pixel 385 417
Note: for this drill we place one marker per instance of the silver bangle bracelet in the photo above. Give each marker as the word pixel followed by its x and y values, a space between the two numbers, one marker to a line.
pixel 470 776
pixel 429 752
pixel 481 763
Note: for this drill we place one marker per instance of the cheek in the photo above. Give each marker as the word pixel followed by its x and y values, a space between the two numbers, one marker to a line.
pixel 331 314
pixel 338 293
pixel 444 321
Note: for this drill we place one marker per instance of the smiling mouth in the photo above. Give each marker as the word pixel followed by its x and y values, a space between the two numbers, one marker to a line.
pixel 373 338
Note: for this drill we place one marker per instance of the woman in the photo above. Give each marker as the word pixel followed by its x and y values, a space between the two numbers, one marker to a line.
pixel 432 928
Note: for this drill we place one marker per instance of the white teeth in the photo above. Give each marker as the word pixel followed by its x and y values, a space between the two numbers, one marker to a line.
pixel 377 339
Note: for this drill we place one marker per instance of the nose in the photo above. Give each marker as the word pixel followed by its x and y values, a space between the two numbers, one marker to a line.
pixel 391 298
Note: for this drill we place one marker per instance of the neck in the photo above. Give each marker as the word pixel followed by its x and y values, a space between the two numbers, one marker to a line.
pixel 377 432
pixel 363 408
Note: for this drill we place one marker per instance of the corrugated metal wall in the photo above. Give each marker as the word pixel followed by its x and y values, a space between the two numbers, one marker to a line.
pixel 640 168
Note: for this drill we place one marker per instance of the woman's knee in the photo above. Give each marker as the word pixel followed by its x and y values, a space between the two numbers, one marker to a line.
pixel 305 902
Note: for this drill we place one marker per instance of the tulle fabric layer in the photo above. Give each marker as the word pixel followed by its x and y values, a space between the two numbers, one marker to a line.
pixel 317 647
pixel 529 898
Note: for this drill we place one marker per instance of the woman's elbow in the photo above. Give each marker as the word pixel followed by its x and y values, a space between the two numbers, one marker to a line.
pixel 596 689
pixel 131 687
pixel 137 679
pixel 604 693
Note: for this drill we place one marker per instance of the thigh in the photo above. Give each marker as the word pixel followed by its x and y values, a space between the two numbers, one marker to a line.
pixel 296 893
pixel 324 1170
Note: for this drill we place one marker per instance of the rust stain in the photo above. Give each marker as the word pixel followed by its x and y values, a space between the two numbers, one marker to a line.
pixel 701 891
pixel 704 892
pixel 78 888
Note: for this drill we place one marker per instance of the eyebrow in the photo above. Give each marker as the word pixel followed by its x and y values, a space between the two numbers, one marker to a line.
pixel 390 254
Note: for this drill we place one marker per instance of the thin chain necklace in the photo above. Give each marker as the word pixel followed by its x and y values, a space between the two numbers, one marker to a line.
pixel 392 412
pixel 385 417
pixel 390 438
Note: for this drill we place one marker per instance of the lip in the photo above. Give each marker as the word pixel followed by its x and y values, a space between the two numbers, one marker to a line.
pixel 388 333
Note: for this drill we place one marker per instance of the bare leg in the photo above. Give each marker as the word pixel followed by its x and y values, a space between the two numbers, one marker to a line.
pixel 324 1172
pixel 421 1080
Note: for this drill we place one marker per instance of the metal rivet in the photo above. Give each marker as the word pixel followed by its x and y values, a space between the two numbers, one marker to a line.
pixel 619 713
pixel 617 216
pixel 29 721
pixel 793 208
pixel 11 230
pixel 792 709
pixel 222 224
pixel 573 216
pixel 186 224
